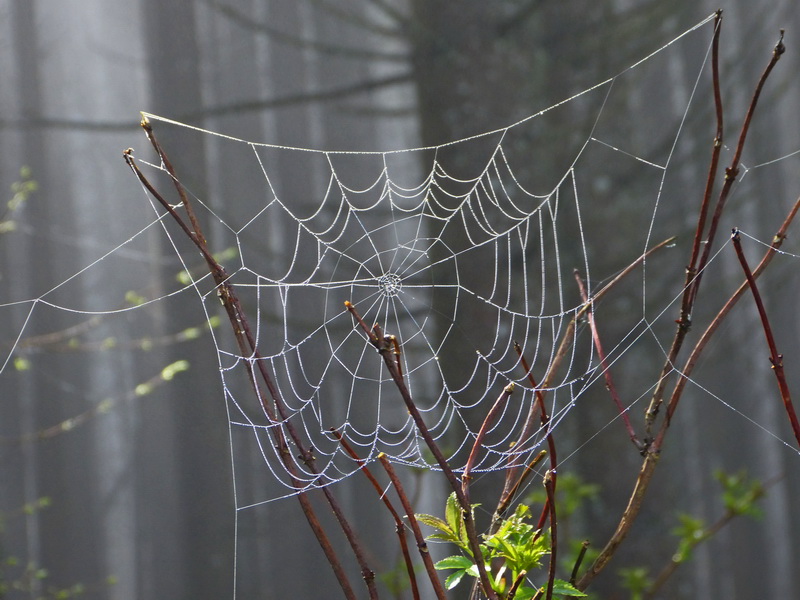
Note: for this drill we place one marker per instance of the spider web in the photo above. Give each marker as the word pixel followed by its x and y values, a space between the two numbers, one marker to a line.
pixel 450 259
pixel 400 244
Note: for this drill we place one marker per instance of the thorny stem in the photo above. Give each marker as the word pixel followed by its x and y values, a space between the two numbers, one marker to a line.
pixel 247 346
pixel 775 358
pixel 384 347
pixel 604 366
pixel 653 451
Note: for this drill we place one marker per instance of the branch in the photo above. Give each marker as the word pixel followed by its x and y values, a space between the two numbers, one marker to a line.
pixel 695 272
pixel 654 451
pixel 385 348
pixel 490 417
pixel 694 356
pixel 422 545
pixel 398 522
pixel 550 488
pixel 247 347
pixel 775 358
pixel 604 366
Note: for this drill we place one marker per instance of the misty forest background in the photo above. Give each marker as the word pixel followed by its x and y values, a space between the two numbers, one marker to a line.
pixel 139 488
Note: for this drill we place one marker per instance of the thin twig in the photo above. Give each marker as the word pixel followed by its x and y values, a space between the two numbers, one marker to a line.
pixel 567 338
pixel 694 279
pixel 422 545
pixel 512 591
pixel 399 527
pixel 775 357
pixel 544 419
pixel 691 269
pixel 702 536
pixel 506 499
pixel 550 488
pixel 187 205
pixel 578 561
pixel 604 366
pixel 476 446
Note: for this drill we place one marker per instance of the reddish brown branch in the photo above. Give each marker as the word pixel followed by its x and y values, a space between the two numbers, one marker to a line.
pixel 247 347
pixel 695 271
pixel 384 347
pixel 604 366
pixel 505 501
pixel 544 418
pixel 550 488
pixel 733 170
pixel 398 522
pixel 550 508
pixel 422 545
pixel 694 356
pixel 691 269
pixel 490 417
pixel 653 451
pixel 187 205
pixel 775 357
pixel 567 338
pixel 547 510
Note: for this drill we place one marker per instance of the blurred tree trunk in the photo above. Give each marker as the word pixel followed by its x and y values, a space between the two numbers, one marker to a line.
pixel 200 562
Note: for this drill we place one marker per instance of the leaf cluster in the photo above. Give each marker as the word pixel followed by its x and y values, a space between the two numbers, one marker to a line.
pixel 510 554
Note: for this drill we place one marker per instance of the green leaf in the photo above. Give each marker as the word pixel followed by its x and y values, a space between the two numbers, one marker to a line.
pixel 565 588
pixel 740 493
pixel 636 580
pixel 457 561
pixel 184 277
pixel 525 592
pixel 452 513
pixel 21 364
pixel 691 532
pixel 134 298
pixel 453 579
pixel 445 534
pixel 168 372
pixel 143 389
